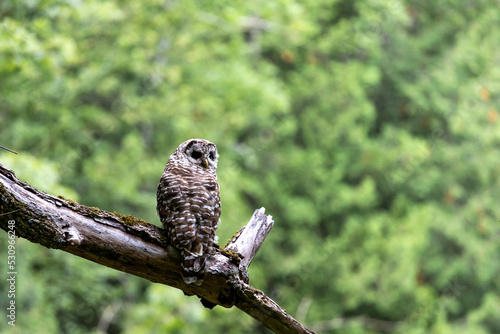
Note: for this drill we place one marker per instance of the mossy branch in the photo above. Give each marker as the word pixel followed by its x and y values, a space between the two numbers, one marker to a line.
pixel 137 247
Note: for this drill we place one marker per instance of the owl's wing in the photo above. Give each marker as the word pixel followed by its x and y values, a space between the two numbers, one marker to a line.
pixel 174 208
pixel 189 209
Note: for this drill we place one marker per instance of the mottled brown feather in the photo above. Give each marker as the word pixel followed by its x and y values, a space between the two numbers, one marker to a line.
pixel 188 203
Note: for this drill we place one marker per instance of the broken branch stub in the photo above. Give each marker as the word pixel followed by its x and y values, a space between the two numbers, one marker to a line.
pixel 247 241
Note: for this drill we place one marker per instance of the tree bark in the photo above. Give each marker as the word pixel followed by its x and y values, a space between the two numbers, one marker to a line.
pixel 134 246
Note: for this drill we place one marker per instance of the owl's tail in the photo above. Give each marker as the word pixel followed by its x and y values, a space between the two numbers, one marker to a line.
pixel 193 268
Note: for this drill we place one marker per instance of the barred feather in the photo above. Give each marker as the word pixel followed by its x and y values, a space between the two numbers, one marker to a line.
pixel 188 204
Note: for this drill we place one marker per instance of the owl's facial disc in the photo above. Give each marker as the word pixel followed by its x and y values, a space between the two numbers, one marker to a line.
pixel 202 153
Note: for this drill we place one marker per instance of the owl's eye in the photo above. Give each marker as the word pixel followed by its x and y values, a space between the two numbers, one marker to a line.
pixel 196 154
pixel 211 155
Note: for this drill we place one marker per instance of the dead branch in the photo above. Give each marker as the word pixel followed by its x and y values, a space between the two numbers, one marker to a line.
pixel 134 246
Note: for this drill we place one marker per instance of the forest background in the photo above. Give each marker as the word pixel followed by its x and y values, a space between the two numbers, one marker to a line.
pixel 368 129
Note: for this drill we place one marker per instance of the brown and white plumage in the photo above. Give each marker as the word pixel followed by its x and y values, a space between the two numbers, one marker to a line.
pixel 188 204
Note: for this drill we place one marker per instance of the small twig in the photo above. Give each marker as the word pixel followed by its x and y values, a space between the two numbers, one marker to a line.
pixel 8 149
pixel 304 306
pixel 107 316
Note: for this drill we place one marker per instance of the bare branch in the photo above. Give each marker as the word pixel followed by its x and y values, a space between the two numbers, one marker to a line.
pixel 134 246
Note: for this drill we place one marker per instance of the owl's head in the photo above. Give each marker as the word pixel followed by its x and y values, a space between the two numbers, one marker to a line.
pixel 199 153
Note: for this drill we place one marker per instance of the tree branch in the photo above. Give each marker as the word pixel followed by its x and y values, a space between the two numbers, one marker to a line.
pixel 134 246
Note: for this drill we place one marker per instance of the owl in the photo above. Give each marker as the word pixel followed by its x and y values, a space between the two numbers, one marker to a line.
pixel 188 204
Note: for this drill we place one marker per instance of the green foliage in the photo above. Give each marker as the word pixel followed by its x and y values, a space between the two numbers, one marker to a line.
pixel 368 129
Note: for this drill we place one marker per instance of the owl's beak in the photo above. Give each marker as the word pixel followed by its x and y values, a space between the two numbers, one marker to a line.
pixel 204 163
